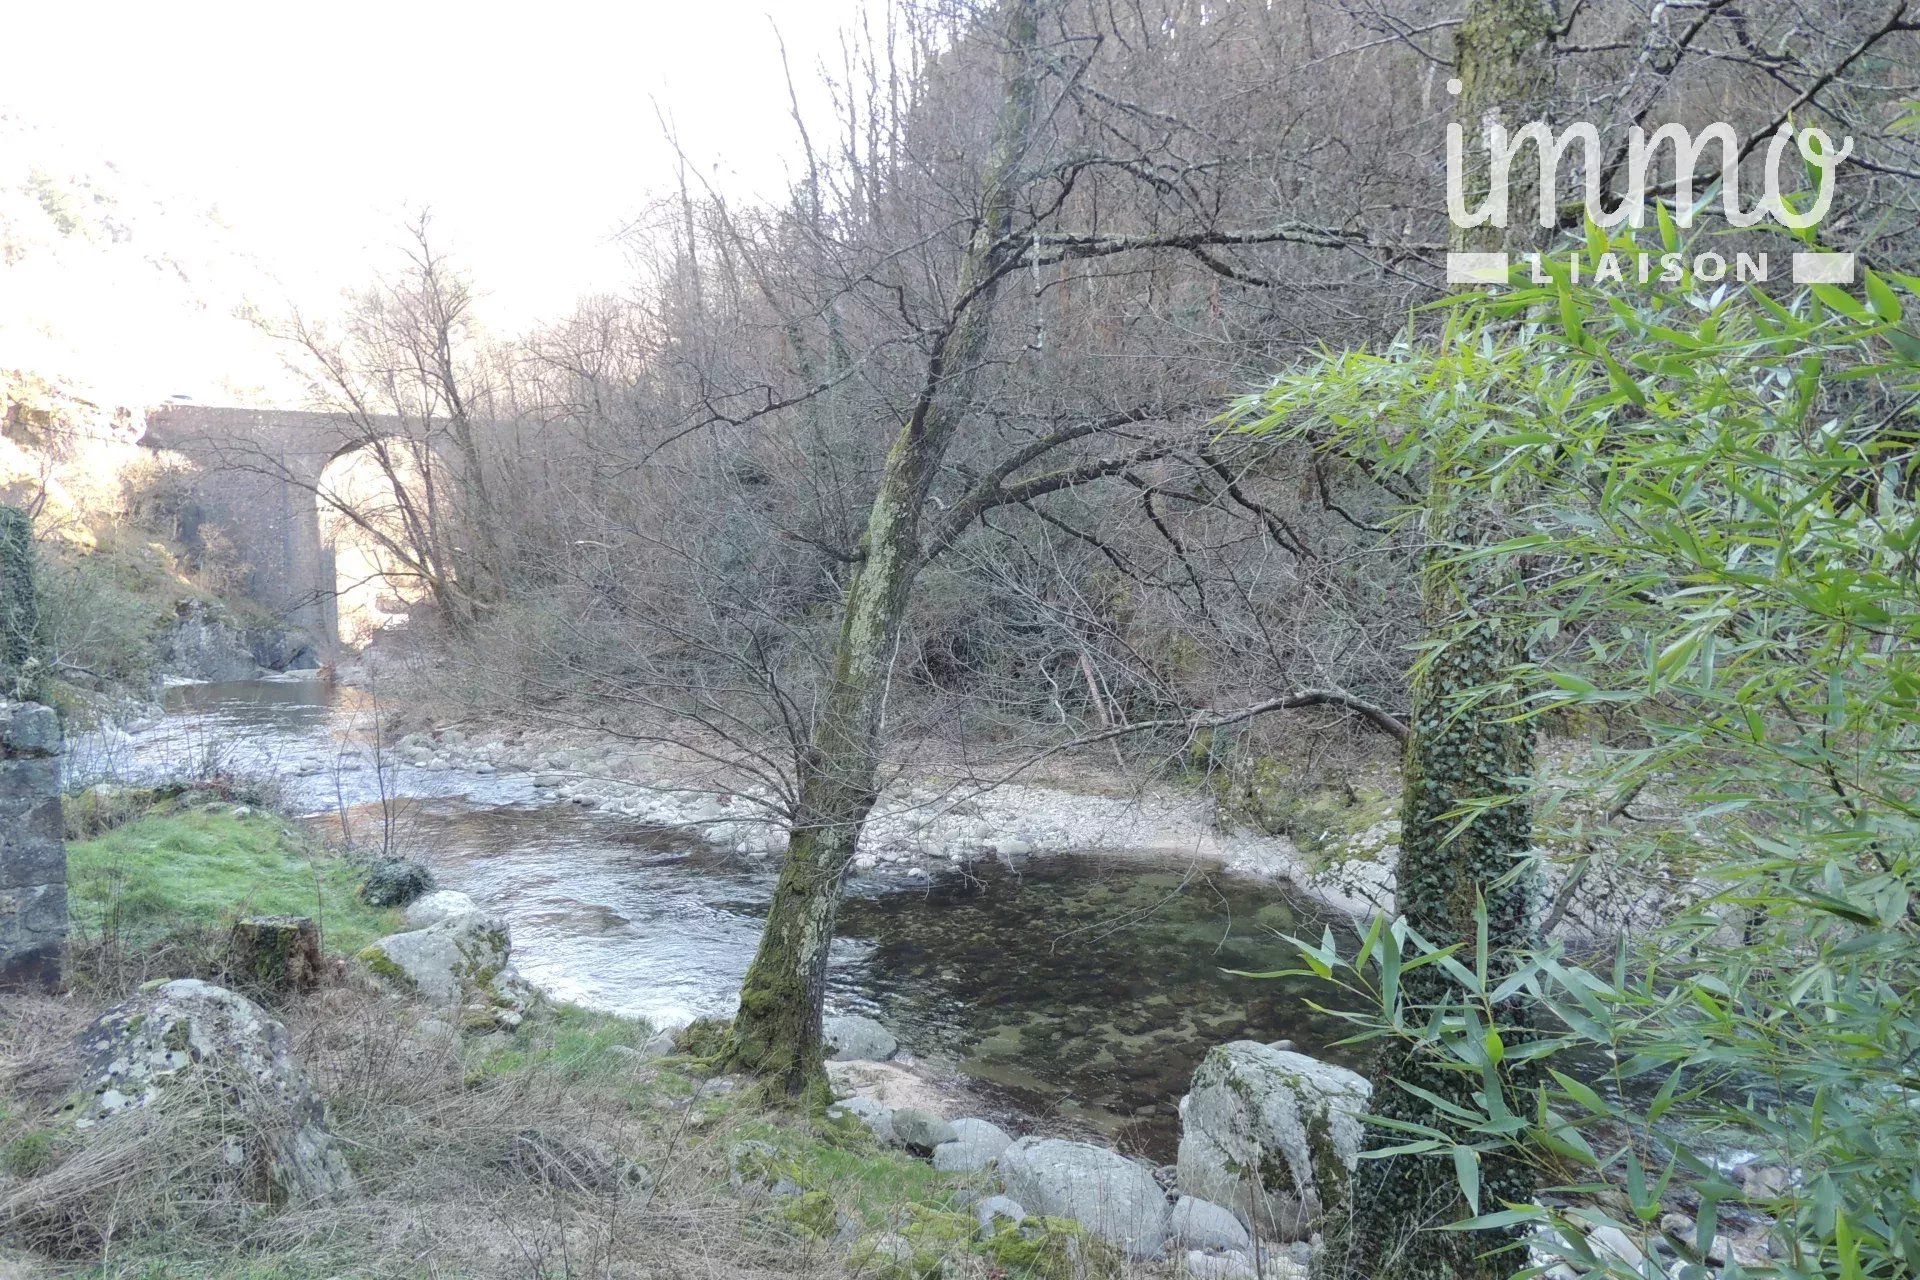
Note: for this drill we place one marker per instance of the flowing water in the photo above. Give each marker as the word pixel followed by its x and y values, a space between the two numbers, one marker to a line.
pixel 1082 989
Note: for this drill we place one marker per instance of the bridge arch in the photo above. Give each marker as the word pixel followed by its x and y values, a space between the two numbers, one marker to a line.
pixel 257 477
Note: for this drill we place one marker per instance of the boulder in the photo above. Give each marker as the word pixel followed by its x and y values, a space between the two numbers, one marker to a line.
pixel 854 1037
pixel 394 882
pixel 1273 1135
pixel 877 1118
pixel 976 1144
pixel 434 907
pixel 1115 1199
pixel 448 961
pixel 204 1043
pixel 920 1131
pixel 1200 1224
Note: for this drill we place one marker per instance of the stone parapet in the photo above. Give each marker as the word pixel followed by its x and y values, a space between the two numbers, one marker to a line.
pixel 33 853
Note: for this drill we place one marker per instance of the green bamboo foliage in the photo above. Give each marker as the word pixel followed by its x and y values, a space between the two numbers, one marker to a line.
pixel 1465 870
pixel 1711 495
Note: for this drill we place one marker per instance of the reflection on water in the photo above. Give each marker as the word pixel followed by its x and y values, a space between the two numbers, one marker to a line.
pixel 1089 987
pixel 1082 987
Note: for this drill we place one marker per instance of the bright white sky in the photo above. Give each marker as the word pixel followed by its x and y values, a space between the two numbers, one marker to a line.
pixel 531 129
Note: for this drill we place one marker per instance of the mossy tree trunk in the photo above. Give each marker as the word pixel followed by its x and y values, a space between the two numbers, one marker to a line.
pixel 1462 752
pixel 777 1033
pixel 19 605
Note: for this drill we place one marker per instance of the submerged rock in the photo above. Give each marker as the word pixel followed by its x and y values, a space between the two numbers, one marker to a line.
pixel 1113 1198
pixel 855 1037
pixel 1271 1134
pixel 202 1043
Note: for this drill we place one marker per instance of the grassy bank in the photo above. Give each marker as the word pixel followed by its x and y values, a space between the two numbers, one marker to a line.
pixel 434 1123
pixel 158 881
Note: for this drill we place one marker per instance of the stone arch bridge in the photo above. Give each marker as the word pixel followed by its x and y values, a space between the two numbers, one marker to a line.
pixel 257 473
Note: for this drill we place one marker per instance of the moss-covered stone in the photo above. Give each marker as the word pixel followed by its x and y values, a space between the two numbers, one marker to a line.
pixel 813 1213
pixel 1052 1249
pixel 705 1039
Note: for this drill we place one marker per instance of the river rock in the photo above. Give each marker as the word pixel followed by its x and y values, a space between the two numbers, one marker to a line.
pixel 1115 1199
pixel 1762 1183
pixel 207 1044
pixel 434 907
pixel 920 1131
pixel 877 1118
pixel 445 962
pixel 976 1144
pixel 1610 1244
pixel 854 1037
pixel 1201 1224
pixel 991 1211
pixel 1271 1134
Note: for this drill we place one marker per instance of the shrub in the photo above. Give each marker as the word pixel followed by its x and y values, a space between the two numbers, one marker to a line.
pixel 1711 501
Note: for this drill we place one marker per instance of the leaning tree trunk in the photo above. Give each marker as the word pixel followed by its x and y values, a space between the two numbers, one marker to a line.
pixel 776 1034
pixel 1461 751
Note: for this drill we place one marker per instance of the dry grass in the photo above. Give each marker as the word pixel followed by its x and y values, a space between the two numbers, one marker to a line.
pixel 428 1122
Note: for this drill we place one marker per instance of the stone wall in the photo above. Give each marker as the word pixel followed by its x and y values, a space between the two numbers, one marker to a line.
pixel 33 854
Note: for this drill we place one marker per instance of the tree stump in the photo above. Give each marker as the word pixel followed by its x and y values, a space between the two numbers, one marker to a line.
pixel 277 955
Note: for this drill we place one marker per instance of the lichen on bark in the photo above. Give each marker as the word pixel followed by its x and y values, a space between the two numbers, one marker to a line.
pixel 776 1035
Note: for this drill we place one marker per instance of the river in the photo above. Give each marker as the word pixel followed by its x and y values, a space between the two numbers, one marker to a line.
pixel 1079 989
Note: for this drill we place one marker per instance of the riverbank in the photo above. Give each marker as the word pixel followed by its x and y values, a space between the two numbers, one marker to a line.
pixel 554 1141
pixel 481 1130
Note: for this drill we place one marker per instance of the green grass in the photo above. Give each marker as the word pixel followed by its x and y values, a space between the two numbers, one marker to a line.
pixel 568 1042
pixel 195 869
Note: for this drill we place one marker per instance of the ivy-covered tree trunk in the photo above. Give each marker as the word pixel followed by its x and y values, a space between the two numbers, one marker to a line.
pixel 776 1034
pixel 1464 752
pixel 19 606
